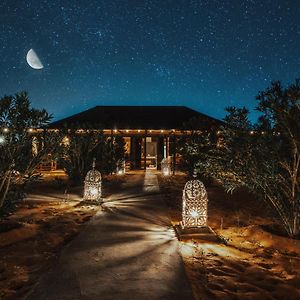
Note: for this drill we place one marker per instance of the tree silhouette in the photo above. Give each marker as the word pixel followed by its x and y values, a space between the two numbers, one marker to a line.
pixel 17 160
pixel 264 156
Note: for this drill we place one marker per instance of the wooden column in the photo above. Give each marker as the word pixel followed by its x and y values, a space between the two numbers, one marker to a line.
pixel 145 144
pixel 160 151
pixel 111 148
pixel 167 146
pixel 174 154
pixel 138 153
pixel 132 152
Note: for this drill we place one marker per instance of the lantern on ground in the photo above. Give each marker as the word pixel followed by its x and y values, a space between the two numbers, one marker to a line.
pixel 2 140
pixel 92 185
pixel 121 168
pixel 194 204
pixel 166 167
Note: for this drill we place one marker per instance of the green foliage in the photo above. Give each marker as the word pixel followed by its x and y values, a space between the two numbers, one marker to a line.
pixel 265 156
pixel 119 148
pixel 14 195
pixel 110 153
pixel 17 161
pixel 194 148
pixel 77 154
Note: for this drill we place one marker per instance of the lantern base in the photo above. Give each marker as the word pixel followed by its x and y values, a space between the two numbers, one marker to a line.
pixel 204 233
pixel 87 201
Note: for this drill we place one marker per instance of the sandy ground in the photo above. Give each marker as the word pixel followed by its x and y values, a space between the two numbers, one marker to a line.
pixel 32 236
pixel 255 260
pixel 127 251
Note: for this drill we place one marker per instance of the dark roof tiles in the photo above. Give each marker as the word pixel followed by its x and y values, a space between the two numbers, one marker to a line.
pixel 135 117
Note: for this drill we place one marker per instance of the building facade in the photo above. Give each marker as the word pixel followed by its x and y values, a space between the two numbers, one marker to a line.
pixel 151 133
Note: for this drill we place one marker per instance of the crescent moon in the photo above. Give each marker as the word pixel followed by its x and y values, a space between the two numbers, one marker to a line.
pixel 33 60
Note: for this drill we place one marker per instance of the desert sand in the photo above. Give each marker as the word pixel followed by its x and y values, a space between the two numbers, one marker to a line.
pixel 32 236
pixel 253 260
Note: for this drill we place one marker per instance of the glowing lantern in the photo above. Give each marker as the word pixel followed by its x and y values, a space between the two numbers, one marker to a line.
pixel 121 169
pixel 92 185
pixel 194 204
pixel 166 167
pixel 2 139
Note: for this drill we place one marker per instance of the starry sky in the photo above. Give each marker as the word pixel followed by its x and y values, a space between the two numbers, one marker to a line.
pixel 204 54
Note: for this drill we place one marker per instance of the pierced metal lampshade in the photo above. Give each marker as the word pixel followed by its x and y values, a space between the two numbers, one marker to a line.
pixel 93 185
pixel 194 204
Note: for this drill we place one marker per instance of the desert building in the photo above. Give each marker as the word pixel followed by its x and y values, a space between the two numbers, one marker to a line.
pixel 150 132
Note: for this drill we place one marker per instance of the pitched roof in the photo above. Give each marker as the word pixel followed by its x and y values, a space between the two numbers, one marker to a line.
pixel 136 117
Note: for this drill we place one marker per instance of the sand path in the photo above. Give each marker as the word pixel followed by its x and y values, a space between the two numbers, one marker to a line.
pixel 127 251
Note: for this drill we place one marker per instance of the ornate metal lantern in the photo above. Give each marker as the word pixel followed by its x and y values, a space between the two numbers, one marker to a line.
pixel 194 204
pixel 166 167
pixel 92 185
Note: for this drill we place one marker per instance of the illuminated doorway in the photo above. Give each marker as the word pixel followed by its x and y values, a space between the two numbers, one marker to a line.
pixel 151 153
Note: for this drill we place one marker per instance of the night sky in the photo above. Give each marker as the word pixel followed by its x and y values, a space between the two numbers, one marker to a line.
pixel 203 54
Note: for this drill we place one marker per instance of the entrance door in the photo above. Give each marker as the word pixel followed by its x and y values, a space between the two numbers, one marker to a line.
pixel 151 153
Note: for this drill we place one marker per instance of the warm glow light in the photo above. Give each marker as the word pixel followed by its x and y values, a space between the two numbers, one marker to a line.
pixel 30 130
pixel 66 141
pixel 194 214
pixel 166 172
pixel 194 204
pixel 187 248
pixel 92 185
pixel 162 130
pixel 127 130
pixel 121 167
pixel 139 130
pixel 5 129
pixel 93 191
pixel 115 130
pixel 223 251
pixel 166 167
